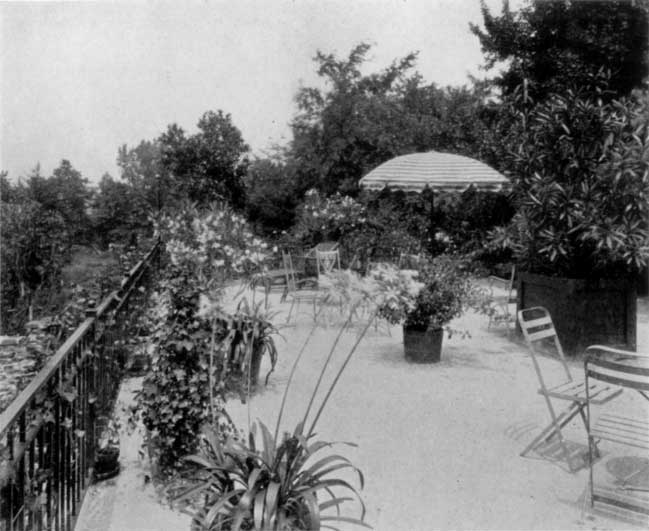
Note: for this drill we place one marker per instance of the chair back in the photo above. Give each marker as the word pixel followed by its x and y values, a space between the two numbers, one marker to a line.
pixel 617 367
pixel 506 284
pixel 327 261
pixel 541 338
pixel 409 261
pixel 287 262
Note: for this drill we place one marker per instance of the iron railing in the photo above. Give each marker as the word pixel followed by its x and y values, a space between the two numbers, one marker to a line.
pixel 49 433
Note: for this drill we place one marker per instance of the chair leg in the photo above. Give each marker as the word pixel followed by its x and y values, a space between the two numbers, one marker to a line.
pixel 290 310
pixel 591 486
pixel 554 428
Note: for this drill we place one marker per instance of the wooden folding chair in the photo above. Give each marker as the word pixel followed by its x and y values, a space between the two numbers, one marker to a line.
pixel 541 338
pixel 299 290
pixel 628 371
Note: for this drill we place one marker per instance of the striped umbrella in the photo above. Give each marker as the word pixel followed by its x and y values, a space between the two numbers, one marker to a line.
pixel 439 171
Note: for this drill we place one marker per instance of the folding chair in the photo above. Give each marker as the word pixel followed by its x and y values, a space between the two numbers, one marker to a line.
pixel 302 290
pixel 327 261
pixel 500 306
pixel 628 371
pixel 540 334
pixel 410 261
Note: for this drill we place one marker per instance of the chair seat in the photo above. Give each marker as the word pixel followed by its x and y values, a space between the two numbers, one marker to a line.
pixel 599 393
pixel 622 430
pixel 305 294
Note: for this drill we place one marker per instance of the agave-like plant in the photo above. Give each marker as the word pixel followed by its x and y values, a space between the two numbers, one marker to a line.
pixel 269 486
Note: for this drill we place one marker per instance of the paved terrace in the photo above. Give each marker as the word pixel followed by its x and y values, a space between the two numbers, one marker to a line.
pixel 439 444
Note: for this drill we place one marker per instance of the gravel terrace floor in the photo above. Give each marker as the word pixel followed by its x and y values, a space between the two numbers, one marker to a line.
pixel 438 444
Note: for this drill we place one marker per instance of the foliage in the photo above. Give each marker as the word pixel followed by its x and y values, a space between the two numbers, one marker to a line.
pixel 242 338
pixel 264 485
pixel 176 399
pixel 399 291
pixel 434 222
pixel 151 183
pixel 582 186
pixel 209 165
pixel 467 217
pixel 66 194
pixel 327 218
pixel 200 348
pixel 360 121
pixel 559 44
pixel 446 293
pixel 272 194
pixel 35 247
pixel 214 243
pixel 117 212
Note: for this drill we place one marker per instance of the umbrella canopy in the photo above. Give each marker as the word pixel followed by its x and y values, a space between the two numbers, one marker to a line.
pixel 438 171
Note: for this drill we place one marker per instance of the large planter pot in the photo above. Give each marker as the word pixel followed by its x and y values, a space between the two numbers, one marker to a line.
pixel 423 346
pixel 255 366
pixel 584 312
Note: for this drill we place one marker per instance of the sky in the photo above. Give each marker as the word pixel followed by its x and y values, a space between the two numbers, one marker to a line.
pixel 80 79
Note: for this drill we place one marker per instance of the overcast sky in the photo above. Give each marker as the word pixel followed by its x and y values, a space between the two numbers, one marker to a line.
pixel 80 79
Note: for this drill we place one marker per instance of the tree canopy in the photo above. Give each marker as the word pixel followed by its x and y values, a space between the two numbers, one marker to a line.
pixel 210 164
pixel 558 44
pixel 360 120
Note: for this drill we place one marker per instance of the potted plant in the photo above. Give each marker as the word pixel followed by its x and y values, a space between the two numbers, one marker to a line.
pixel 106 463
pixel 580 235
pixel 446 292
pixel 245 337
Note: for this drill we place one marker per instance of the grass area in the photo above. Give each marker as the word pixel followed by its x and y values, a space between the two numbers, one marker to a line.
pixel 88 263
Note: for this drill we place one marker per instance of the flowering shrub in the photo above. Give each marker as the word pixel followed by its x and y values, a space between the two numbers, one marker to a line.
pixel 329 218
pixel 398 289
pixel 446 293
pixel 216 244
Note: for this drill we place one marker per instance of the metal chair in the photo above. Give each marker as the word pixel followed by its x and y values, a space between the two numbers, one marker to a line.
pixel 627 371
pixel 299 290
pixel 500 306
pixel 541 338
pixel 410 261
pixel 327 261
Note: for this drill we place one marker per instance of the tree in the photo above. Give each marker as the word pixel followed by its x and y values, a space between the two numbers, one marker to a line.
pixel 559 44
pixel 272 194
pixel 581 186
pixel 141 167
pixel 360 121
pixel 35 247
pixel 343 132
pixel 209 165
pixel 118 211
pixel 66 193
